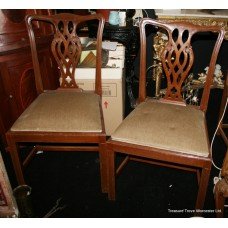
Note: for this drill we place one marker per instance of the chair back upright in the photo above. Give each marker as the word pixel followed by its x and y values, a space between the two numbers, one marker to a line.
pixel 177 58
pixel 66 46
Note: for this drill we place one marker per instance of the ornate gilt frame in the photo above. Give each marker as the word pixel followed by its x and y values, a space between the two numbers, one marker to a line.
pixel 159 42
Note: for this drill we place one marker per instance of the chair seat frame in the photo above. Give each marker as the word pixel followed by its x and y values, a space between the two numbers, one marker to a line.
pixel 200 165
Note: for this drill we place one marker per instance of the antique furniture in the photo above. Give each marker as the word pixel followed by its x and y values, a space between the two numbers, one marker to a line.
pixel 221 189
pixel 66 119
pixel 17 86
pixel 202 17
pixel 167 131
pixel 8 205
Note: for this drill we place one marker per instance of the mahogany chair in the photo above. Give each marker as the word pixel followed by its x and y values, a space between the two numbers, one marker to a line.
pixel 168 131
pixel 68 118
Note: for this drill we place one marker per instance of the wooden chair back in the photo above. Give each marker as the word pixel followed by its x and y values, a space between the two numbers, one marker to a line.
pixel 178 58
pixel 66 47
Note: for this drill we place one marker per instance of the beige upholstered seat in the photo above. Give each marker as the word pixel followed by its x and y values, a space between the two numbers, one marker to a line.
pixel 73 112
pixel 165 126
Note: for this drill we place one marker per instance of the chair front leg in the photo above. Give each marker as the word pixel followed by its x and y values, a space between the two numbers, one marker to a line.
pixel 103 167
pixel 111 174
pixel 14 153
pixel 202 191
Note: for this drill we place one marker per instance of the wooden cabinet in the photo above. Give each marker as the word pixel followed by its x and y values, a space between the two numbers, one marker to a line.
pixel 17 85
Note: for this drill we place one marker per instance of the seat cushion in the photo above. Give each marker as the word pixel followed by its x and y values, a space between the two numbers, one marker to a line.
pixel 165 126
pixel 61 111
